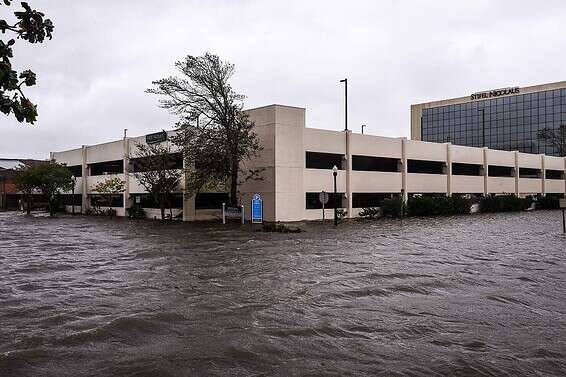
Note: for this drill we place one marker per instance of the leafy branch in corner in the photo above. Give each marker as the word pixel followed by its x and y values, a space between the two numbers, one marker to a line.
pixel 31 26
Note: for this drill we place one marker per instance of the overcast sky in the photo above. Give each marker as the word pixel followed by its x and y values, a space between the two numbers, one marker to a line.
pixel 104 54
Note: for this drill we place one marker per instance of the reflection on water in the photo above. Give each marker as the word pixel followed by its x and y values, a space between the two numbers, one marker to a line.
pixel 474 295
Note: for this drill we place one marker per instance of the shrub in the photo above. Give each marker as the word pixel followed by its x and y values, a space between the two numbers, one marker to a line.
pixel 392 207
pixel 438 205
pixel 341 214
pixel 548 202
pixel 370 213
pixel 136 212
pixel 109 212
pixel 58 205
pixel 460 205
pixel 503 203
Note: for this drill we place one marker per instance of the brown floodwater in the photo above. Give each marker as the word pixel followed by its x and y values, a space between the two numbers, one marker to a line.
pixel 468 295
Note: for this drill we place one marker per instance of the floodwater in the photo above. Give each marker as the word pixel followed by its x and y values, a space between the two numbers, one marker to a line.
pixel 471 295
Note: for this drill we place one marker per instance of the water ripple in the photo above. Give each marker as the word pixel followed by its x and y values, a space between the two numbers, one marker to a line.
pixel 467 295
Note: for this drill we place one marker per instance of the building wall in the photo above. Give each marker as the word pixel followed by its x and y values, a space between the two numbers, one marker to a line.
pixel 286 180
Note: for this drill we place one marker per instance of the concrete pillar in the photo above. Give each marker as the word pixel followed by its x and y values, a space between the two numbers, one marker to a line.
pixel 126 167
pixel 449 169
pixel 85 174
pixel 543 175
pixel 189 210
pixel 516 159
pixel 349 172
pixel 485 172
pixel 404 168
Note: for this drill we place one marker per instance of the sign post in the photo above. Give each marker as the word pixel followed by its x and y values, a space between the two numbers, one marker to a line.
pixel 257 209
pixel 563 207
pixel 323 198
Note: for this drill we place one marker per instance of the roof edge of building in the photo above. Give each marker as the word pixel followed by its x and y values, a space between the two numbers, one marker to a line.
pixel 277 105
pixel 463 99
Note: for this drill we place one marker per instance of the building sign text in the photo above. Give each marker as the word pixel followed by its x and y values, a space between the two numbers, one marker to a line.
pixel 495 93
pixel 157 137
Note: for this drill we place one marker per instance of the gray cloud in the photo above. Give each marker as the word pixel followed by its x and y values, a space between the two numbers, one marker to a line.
pixel 104 54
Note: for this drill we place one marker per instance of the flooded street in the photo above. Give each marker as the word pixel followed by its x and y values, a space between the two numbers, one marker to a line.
pixel 470 295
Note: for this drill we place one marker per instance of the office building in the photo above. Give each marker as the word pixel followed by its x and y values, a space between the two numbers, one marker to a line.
pixel 506 119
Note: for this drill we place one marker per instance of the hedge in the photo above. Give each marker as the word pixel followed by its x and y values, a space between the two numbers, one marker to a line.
pixel 504 203
pixel 438 205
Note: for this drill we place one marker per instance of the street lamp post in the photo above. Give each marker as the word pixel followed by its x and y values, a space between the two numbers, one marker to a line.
pixel 73 195
pixel 345 81
pixel 482 126
pixel 334 174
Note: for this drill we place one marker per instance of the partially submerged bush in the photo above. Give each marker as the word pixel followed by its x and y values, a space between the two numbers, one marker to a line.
pixel 548 202
pixel 109 212
pixel 97 211
pixel 393 207
pixel 438 205
pixel 341 214
pixel 370 213
pixel 503 203
pixel 461 205
pixel 136 212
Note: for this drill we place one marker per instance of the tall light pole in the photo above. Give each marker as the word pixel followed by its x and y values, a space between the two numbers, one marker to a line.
pixel 73 196
pixel 482 126
pixel 335 173
pixel 345 81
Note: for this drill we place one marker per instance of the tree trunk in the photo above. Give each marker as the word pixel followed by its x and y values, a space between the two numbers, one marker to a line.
pixel 234 184
pixel 51 204
pixel 29 201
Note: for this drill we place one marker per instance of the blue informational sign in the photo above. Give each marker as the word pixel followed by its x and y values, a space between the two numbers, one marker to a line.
pixel 257 209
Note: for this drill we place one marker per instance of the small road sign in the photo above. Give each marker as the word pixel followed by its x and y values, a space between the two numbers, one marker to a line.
pixel 323 198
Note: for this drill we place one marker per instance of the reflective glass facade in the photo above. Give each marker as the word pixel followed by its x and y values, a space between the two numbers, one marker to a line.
pixel 511 122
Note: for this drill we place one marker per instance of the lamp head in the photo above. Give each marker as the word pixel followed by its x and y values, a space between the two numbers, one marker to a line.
pixel 334 170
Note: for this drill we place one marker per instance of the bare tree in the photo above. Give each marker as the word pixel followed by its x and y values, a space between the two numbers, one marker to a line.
pixel 214 133
pixel 158 172
pixel 554 137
